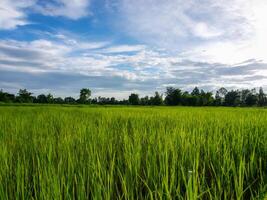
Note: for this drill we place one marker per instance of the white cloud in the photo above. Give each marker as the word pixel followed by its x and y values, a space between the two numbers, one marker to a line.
pixel 143 69
pixel 14 13
pixel 74 9
pixel 123 49
pixel 202 30
pixel 226 31
pixel 171 21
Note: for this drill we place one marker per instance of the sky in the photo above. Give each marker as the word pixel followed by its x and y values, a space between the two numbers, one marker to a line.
pixel 116 47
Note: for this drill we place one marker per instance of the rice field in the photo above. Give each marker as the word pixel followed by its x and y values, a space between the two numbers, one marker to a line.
pixel 56 152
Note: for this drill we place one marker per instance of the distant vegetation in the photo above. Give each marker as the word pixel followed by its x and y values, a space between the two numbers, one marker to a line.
pixel 172 97
pixel 54 152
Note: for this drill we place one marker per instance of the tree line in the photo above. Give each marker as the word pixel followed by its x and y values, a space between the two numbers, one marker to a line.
pixel 173 97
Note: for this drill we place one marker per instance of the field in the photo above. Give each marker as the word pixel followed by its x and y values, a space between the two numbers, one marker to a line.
pixel 56 152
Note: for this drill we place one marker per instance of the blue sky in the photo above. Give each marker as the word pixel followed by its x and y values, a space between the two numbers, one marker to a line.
pixel 116 47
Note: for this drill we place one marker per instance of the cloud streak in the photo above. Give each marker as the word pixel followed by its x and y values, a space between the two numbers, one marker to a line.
pixel 74 9
pixel 14 13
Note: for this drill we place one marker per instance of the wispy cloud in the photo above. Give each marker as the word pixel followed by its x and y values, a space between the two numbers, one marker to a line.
pixel 124 49
pixel 14 13
pixel 74 9
pixel 125 68
pixel 229 30
pixel 161 43
pixel 172 21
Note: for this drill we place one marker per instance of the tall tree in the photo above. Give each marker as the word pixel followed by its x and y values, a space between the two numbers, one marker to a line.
pixel 145 101
pixel 85 93
pixel 232 98
pixel 205 98
pixel 220 95
pixel 6 97
pixel 173 96
pixel 243 96
pixel 50 98
pixel 195 92
pixel 41 99
pixel 24 96
pixel 157 99
pixel 134 99
pixel 251 99
pixel 261 98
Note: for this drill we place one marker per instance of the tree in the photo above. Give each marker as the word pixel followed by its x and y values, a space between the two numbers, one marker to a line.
pixel 50 98
pixel 85 93
pixel 41 99
pixel 94 101
pixel 243 96
pixel 157 99
pixel 222 92
pixel 173 96
pixel 232 98
pixel 195 97
pixel 195 92
pixel 24 96
pixel 134 99
pixel 104 101
pixel 261 98
pixel 58 100
pixel 145 101
pixel 251 99
pixel 6 97
pixel 70 100
pixel 218 99
pixel 205 98
pixel 220 95
pixel 185 98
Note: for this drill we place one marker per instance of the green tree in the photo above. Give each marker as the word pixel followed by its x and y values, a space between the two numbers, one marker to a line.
pixel 134 99
pixel 41 99
pixel 24 96
pixel 173 96
pixel 244 94
pixel 195 92
pixel 145 101
pixel 251 99
pixel 157 99
pixel 58 100
pixel 220 95
pixel 6 97
pixel 205 98
pixel 50 98
pixel 85 93
pixel 69 100
pixel 261 98
pixel 232 98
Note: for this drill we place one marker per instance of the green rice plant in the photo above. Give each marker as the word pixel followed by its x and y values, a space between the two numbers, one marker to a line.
pixel 56 152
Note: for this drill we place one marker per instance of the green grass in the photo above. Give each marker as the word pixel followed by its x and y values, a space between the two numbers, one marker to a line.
pixel 54 152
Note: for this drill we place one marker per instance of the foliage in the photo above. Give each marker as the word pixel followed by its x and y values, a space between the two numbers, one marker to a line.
pixel 6 97
pixel 85 93
pixel 173 97
pixel 69 100
pixel 134 99
pixel 24 96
